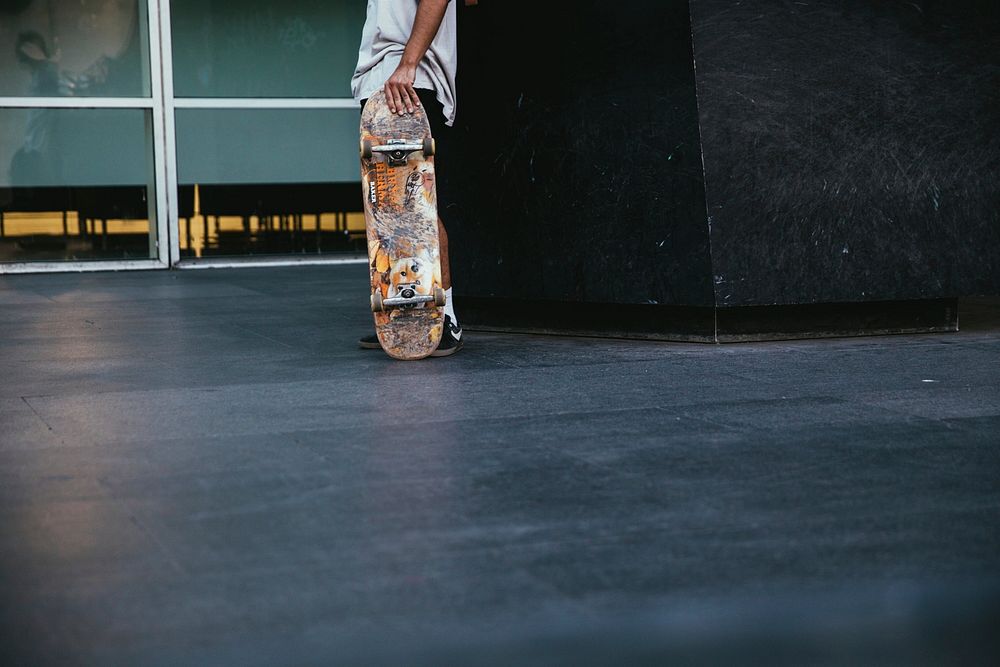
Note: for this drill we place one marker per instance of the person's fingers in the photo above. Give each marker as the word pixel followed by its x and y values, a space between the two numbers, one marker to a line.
pixel 404 99
pixel 410 98
pixel 388 97
pixel 397 99
pixel 396 105
pixel 402 103
pixel 414 96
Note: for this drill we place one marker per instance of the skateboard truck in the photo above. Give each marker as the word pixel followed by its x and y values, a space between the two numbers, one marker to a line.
pixel 407 298
pixel 397 151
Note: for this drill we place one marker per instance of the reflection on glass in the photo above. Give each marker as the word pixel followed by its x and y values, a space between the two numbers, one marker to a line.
pixel 74 48
pixel 264 181
pixel 261 48
pixel 269 219
pixel 76 184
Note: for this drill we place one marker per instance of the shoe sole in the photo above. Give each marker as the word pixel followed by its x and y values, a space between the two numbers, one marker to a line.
pixel 448 352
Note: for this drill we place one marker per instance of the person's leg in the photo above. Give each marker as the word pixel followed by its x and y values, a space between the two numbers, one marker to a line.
pixel 445 266
pixel 442 167
pixel 451 340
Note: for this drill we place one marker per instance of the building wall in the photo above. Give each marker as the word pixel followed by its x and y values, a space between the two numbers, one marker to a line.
pixel 580 177
pixel 850 152
pixel 851 148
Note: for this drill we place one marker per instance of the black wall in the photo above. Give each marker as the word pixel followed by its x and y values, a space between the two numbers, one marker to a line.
pixel 581 175
pixel 852 148
pixel 851 151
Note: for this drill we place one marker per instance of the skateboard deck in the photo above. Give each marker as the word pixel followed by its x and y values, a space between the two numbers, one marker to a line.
pixel 397 180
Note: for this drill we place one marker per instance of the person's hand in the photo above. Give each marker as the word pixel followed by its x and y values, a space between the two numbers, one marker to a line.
pixel 399 92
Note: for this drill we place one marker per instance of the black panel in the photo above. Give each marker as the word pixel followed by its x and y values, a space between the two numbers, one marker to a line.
pixel 825 320
pixel 851 152
pixel 852 149
pixel 711 325
pixel 579 172
pixel 616 320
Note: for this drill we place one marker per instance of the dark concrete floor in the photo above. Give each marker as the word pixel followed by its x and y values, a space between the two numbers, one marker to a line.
pixel 200 467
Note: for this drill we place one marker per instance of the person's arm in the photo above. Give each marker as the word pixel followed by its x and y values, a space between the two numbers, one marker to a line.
pixel 399 91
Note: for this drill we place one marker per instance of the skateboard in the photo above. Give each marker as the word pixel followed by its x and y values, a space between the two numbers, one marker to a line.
pixel 397 180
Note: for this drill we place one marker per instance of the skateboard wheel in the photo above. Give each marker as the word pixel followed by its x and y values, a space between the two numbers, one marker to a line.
pixel 429 146
pixel 439 298
pixel 366 149
pixel 377 306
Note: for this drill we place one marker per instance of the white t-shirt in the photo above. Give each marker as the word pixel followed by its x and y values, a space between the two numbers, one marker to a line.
pixel 387 29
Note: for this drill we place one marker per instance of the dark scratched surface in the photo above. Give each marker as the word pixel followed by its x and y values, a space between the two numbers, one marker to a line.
pixel 581 175
pixel 852 149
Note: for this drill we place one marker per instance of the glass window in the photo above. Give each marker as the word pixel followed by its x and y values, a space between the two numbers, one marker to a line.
pixel 261 48
pixel 265 181
pixel 76 184
pixel 74 48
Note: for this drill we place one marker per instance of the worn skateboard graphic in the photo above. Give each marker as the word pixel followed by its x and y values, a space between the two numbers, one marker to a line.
pixel 397 180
